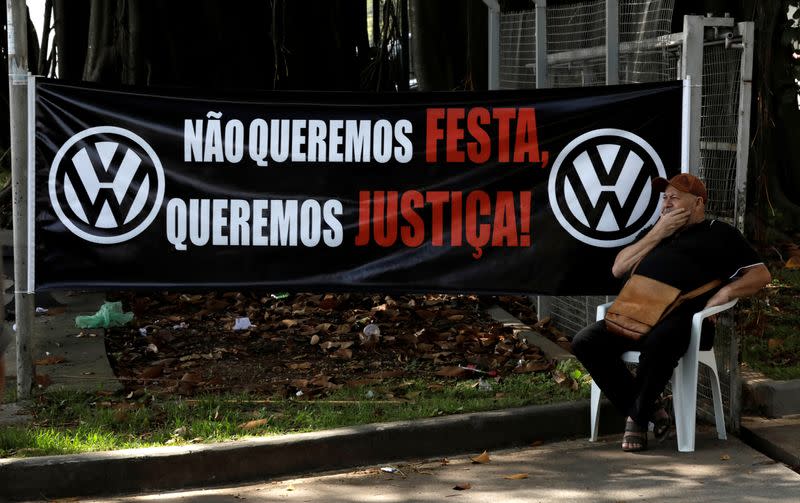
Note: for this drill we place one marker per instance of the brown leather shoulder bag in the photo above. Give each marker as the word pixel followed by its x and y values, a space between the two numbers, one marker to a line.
pixel 643 302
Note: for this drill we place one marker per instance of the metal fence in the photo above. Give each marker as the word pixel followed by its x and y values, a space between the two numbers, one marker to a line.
pixel 575 41
pixel 646 54
pixel 576 28
pixel 518 50
pixel 719 121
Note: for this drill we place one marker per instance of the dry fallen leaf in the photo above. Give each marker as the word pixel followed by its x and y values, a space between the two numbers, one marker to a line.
pixel 251 425
pixel 534 366
pixel 385 374
pixel 152 372
pixel 483 458
pixel 50 360
pixel 773 343
pixel 463 486
pixel 43 380
pixel 343 353
pixel 323 381
pixel 516 476
pixel 793 262
pixel 559 377
pixel 191 377
pixel 451 372
pixel 361 382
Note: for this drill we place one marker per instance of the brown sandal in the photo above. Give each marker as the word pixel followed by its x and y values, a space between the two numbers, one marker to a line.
pixel 635 436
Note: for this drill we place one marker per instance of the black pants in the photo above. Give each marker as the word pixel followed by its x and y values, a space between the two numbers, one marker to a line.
pixel 635 395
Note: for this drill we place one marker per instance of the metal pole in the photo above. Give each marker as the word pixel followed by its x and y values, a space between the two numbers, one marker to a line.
pixel 692 66
pixel 494 43
pixel 747 31
pixel 17 26
pixel 405 46
pixel 612 42
pixel 541 44
pixel 544 304
pixel 686 121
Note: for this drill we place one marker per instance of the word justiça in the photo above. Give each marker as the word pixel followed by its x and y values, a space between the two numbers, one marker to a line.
pixel 477 218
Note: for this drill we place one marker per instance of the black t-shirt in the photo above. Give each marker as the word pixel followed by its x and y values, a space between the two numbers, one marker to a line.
pixel 699 254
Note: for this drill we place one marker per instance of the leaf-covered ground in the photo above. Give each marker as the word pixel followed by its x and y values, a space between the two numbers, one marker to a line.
pixel 306 345
pixel 770 320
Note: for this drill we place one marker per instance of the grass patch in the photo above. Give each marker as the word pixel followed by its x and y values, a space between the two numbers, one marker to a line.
pixel 73 422
pixel 771 337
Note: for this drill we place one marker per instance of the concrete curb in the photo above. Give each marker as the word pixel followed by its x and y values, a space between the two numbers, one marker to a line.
pixel 760 440
pixel 260 459
pixel 771 398
pixel 548 347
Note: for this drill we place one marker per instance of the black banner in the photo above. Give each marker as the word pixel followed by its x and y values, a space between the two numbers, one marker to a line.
pixel 493 192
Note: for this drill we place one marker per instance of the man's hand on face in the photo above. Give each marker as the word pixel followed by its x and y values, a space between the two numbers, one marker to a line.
pixel 671 222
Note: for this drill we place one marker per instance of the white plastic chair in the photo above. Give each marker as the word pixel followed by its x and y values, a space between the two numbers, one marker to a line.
pixel 684 383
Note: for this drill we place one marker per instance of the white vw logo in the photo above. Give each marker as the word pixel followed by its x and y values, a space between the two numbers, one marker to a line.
pixel 106 184
pixel 600 190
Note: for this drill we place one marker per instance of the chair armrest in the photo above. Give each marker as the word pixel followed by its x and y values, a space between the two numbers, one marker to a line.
pixel 601 310
pixel 697 323
pixel 711 311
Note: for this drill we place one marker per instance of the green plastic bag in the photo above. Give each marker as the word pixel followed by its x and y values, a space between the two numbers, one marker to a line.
pixel 109 315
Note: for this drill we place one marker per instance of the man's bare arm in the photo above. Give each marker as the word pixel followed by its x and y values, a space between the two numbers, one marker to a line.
pixel 753 280
pixel 666 226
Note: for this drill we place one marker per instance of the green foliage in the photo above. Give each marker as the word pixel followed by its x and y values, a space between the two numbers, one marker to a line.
pixel 771 339
pixel 572 368
pixel 70 422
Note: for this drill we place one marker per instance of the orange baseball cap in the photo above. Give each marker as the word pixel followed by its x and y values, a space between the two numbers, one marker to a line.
pixel 683 182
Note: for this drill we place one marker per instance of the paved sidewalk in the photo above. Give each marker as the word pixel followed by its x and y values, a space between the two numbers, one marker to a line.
pixel 85 365
pixel 569 471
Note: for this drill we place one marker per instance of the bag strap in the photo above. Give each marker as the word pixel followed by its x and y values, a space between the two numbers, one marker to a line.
pixel 701 290
pixel 633 269
pixel 690 295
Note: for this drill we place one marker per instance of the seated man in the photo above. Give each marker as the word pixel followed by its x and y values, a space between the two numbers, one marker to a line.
pixel 683 250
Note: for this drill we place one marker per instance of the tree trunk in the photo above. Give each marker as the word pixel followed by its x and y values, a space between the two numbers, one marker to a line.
pixel 71 21
pixel 450 44
pixel 775 163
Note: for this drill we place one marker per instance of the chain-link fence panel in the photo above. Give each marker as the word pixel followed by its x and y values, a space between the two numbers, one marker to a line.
pixel 719 127
pixel 576 39
pixel 645 54
pixel 518 50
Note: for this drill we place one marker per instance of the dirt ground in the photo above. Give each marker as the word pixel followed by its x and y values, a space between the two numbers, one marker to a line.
pixel 279 344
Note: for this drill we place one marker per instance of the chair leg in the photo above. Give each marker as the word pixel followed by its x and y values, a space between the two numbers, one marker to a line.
pixel 684 394
pixel 708 358
pixel 594 411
